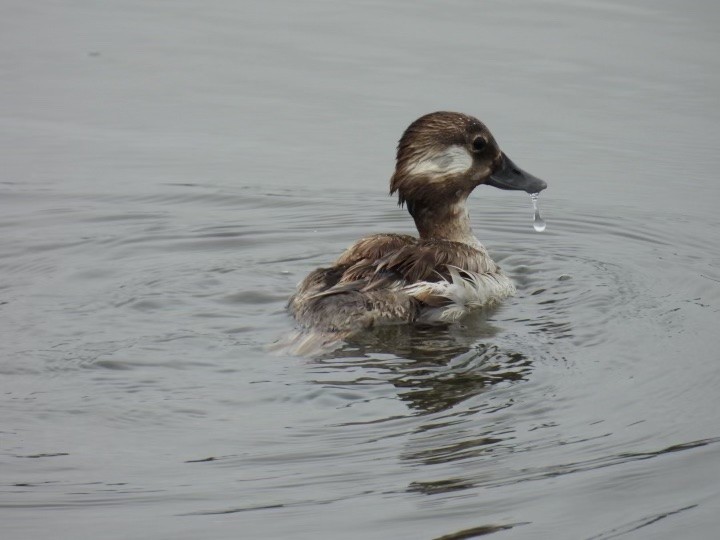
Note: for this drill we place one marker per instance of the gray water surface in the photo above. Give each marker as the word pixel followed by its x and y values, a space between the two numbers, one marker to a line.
pixel 171 170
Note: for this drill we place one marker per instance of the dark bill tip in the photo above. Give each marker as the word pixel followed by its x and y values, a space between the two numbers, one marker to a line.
pixel 510 176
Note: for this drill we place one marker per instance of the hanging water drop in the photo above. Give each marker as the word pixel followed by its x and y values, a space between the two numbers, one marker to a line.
pixel 538 222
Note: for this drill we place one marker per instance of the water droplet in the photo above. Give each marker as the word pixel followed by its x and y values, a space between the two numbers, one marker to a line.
pixel 538 222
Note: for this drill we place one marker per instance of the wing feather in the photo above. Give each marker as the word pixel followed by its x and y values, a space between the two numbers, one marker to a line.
pixel 375 247
pixel 385 273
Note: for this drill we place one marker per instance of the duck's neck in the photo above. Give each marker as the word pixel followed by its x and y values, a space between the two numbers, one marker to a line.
pixel 450 221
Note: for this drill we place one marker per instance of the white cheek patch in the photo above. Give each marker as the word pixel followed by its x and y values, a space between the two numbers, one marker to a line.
pixel 454 159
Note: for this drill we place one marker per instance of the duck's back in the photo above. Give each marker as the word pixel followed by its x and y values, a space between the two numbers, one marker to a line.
pixel 394 278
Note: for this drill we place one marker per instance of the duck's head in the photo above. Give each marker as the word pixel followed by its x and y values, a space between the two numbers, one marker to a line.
pixel 443 156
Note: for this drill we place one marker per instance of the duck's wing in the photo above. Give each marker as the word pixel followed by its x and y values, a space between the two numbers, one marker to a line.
pixel 384 277
pixel 319 280
pixel 332 299
pixel 425 260
pixel 335 279
pixel 375 247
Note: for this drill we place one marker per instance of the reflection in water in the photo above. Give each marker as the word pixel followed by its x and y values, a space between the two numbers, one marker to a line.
pixel 440 374
pixel 434 368
pixel 435 389
pixel 436 345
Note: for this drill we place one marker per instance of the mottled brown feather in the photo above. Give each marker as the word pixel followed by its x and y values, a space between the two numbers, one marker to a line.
pixel 415 260
pixel 328 296
pixel 354 310
pixel 374 247
pixel 428 260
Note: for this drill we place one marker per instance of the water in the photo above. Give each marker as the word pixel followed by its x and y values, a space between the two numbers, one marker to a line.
pixel 538 222
pixel 171 171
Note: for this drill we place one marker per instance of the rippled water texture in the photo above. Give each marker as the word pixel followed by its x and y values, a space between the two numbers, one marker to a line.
pixel 171 170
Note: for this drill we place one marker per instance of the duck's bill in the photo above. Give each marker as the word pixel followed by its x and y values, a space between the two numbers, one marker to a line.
pixel 510 176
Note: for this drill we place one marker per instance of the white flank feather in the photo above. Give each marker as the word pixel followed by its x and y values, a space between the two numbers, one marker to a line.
pixel 465 291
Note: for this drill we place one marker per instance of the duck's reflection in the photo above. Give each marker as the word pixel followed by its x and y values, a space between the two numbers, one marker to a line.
pixel 446 376
pixel 434 368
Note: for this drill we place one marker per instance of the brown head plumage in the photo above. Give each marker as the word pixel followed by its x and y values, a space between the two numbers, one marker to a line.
pixel 443 155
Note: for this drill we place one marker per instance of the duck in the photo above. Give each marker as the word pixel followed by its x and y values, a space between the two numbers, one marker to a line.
pixel 440 275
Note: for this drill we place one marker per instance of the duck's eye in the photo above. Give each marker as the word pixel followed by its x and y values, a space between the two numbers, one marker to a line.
pixel 479 144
